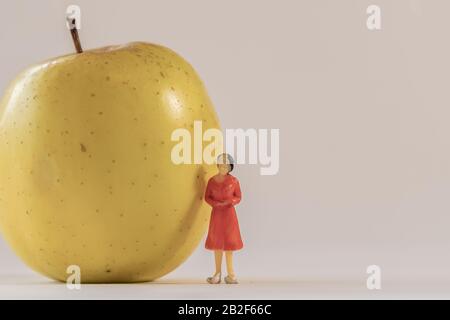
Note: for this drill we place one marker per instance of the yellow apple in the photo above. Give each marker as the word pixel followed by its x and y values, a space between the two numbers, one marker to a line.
pixel 86 176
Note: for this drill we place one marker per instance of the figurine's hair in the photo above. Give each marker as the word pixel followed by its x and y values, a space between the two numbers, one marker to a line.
pixel 225 158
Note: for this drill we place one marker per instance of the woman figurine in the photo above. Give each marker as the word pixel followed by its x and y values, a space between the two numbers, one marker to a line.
pixel 223 193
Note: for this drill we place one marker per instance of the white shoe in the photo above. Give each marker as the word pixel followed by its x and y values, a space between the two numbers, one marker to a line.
pixel 214 279
pixel 231 280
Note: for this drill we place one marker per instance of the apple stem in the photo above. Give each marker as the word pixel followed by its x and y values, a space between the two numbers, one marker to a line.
pixel 75 37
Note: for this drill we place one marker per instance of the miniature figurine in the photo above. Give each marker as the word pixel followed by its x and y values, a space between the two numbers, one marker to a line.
pixel 223 193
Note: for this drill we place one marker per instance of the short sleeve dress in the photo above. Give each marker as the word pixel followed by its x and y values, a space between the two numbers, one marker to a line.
pixel 223 233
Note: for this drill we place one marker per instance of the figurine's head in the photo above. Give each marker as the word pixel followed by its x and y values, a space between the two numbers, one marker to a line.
pixel 225 163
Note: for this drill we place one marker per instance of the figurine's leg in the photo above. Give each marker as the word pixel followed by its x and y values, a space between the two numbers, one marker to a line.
pixel 217 277
pixel 229 258
pixel 231 277
pixel 218 257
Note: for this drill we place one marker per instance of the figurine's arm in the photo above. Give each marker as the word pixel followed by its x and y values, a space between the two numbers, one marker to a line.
pixel 236 194
pixel 209 198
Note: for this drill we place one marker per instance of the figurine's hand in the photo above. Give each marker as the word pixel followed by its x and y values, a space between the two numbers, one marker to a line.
pixel 224 203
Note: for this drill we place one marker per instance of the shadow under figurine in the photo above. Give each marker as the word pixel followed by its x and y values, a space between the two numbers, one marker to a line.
pixel 223 193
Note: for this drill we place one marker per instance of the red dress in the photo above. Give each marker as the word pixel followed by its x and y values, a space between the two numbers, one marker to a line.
pixel 223 233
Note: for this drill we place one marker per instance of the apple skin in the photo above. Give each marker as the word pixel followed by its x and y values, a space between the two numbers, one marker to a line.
pixel 86 176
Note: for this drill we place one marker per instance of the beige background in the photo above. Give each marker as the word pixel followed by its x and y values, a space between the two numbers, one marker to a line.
pixel 363 116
